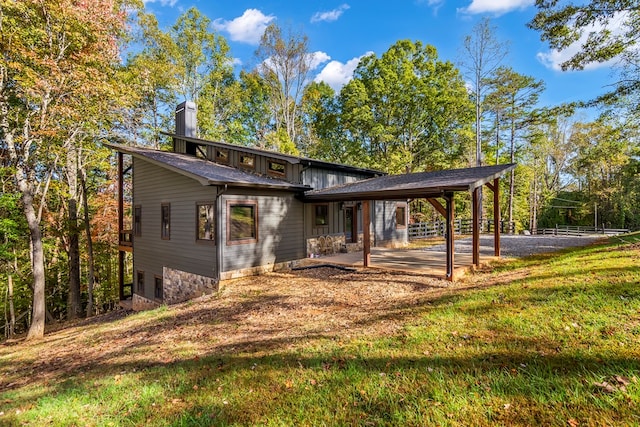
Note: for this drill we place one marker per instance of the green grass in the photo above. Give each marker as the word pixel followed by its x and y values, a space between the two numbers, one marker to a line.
pixel 530 343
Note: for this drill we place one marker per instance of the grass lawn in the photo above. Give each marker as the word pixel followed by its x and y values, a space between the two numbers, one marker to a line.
pixel 548 340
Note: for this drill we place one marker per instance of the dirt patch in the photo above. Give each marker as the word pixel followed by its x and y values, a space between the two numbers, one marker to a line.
pixel 273 312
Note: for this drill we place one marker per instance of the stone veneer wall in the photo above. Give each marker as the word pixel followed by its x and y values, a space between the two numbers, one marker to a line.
pixel 179 286
pixel 140 303
pixel 339 245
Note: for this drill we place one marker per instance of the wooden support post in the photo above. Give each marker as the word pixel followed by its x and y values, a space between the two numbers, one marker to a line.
pixel 475 213
pixel 450 214
pixel 366 233
pixel 496 216
pixel 121 254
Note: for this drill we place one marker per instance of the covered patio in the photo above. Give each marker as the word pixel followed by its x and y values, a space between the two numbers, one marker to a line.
pixel 436 188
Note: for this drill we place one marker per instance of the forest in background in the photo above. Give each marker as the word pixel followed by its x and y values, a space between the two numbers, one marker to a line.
pixel 75 74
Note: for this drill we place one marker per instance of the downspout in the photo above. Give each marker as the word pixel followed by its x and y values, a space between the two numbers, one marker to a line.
pixel 219 239
pixel 304 211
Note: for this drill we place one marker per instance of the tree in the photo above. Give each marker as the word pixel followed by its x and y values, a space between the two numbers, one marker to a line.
pixel 483 53
pixel 284 65
pixel 604 29
pixel 56 58
pixel 515 96
pixel 408 110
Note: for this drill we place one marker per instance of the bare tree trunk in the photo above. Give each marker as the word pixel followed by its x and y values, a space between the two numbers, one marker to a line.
pixel 12 313
pixel 87 228
pixel 36 330
pixel 73 300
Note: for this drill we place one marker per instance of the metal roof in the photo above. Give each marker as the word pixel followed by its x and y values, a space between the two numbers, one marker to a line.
pixel 424 184
pixel 280 156
pixel 204 171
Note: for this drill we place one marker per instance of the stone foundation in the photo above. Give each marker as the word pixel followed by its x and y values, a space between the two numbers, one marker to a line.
pixel 179 286
pixel 255 271
pixel 140 303
pixel 318 246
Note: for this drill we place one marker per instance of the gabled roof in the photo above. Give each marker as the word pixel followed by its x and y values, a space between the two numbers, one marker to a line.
pixel 204 171
pixel 423 185
pixel 280 156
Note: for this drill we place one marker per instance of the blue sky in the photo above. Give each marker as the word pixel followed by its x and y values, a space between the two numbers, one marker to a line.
pixel 340 32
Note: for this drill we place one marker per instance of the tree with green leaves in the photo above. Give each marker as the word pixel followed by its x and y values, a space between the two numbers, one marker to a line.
pixel 57 58
pixel 408 110
pixel 515 97
pixel 604 30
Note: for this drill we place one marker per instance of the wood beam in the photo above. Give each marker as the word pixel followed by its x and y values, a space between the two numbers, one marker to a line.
pixel 496 216
pixel 366 233
pixel 121 254
pixel 475 214
pixel 438 206
pixel 450 214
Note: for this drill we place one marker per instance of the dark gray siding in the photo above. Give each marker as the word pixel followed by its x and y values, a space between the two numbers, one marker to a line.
pixel 385 227
pixel 318 178
pixel 280 230
pixel 336 219
pixel 153 186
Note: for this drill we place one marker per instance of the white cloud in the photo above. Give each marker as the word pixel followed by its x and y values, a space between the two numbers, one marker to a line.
pixel 331 15
pixel 317 58
pixel 247 28
pixel 336 74
pixel 170 3
pixel 497 7
pixel 553 59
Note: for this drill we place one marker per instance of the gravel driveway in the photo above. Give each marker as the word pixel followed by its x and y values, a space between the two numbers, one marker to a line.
pixel 519 246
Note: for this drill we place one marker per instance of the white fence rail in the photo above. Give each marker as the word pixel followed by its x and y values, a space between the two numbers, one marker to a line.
pixel 569 230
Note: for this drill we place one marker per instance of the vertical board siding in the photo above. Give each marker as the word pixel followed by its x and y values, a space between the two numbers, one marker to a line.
pixel 318 178
pixel 153 186
pixel 386 232
pixel 280 230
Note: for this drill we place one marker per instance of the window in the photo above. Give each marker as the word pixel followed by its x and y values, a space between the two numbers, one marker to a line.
pixel 401 216
pixel 206 222
pixel 242 222
pixel 247 161
pixel 321 215
pixel 222 155
pixel 157 288
pixel 137 220
pixel 165 231
pixel 276 168
pixel 140 282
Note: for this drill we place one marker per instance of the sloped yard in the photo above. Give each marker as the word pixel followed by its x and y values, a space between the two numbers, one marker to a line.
pixel 549 340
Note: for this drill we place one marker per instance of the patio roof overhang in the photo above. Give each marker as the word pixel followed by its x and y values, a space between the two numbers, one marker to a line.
pixel 422 185
pixel 429 185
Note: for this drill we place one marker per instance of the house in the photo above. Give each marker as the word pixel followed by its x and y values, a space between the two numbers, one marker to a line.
pixel 210 211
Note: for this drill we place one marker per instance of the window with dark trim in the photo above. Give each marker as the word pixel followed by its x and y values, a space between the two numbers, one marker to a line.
pixel 321 215
pixel 401 216
pixel 165 224
pixel 247 161
pixel 157 287
pixel 276 168
pixel 140 282
pixel 222 155
pixel 206 222
pixel 242 222
pixel 137 220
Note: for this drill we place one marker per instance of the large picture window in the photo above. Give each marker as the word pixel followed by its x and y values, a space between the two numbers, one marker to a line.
pixel 165 216
pixel 206 222
pixel 242 222
pixel 321 215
